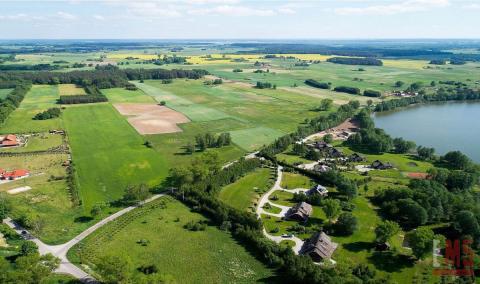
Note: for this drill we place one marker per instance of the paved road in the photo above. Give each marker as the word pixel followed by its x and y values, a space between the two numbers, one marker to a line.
pixel 60 251
pixel 247 156
pixel 264 200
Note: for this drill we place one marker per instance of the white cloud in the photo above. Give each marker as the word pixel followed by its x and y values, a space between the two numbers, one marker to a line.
pixel 229 10
pixel 212 1
pixel 152 9
pixel 472 7
pixel 395 8
pixel 288 11
pixel 66 16
pixel 14 17
pixel 99 17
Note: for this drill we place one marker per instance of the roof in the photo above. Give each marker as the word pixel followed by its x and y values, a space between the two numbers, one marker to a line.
pixel 318 189
pixel 301 208
pixel 10 137
pixel 321 244
pixel 9 140
pixel 16 173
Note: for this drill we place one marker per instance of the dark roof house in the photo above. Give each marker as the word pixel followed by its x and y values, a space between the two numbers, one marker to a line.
pixel 321 145
pixel 299 212
pixel 319 247
pixel 335 153
pixel 379 165
pixel 356 158
pixel 318 189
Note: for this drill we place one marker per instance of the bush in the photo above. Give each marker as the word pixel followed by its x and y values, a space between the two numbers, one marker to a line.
pixel 346 224
pixel 348 90
pixel 196 226
pixel 315 84
pixel 372 94
pixel 48 114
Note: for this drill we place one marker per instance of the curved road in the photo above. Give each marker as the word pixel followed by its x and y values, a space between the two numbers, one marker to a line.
pixel 60 251
pixel 264 200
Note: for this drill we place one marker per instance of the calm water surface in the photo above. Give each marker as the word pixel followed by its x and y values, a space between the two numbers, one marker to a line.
pixel 444 126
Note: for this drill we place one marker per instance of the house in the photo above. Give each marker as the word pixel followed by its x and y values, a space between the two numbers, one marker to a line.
pixel 335 153
pixel 317 189
pixel 299 212
pixel 15 174
pixel 356 158
pixel 379 165
pixel 9 141
pixel 319 247
pixel 321 145
pixel 321 168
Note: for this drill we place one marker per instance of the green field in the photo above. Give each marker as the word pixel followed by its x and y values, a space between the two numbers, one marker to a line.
pixel 242 193
pixel 40 98
pixel 172 248
pixel 109 154
pixel 118 95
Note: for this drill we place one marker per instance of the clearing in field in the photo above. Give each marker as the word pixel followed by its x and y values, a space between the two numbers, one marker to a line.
pixel 171 247
pixel 254 138
pixel 70 90
pixel 109 154
pixel 152 118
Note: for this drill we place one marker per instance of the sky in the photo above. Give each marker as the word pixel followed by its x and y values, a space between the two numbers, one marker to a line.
pixel 239 19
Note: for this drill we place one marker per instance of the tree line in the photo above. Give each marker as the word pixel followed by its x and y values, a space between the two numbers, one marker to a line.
pixel 442 95
pixel 13 100
pixel 369 61
pixel 103 77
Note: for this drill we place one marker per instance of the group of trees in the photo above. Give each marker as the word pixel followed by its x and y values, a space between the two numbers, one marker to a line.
pixel 265 85
pixel 356 61
pixel 348 90
pixel 452 94
pixel 82 99
pixel 167 60
pixel 208 140
pixel 316 84
pixel 13 100
pixel 48 114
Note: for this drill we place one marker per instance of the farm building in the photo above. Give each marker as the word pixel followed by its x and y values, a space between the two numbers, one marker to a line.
pixel 9 141
pixel 299 212
pixel 13 175
pixel 379 165
pixel 318 189
pixel 319 247
pixel 321 145
pixel 356 158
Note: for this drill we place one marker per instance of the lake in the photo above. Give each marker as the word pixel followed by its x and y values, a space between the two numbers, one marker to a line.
pixel 443 126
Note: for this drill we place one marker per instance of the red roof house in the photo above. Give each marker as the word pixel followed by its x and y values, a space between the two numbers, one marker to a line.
pixel 9 141
pixel 15 174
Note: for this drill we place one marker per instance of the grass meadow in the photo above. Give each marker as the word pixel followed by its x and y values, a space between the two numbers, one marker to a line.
pixel 119 95
pixel 70 90
pixel 109 154
pixel 4 93
pixel 243 193
pixel 38 99
pixel 172 248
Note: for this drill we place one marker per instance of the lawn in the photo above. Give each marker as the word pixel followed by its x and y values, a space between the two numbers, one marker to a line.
pixel 109 154
pixel 119 95
pixel 292 181
pixel 172 248
pixel 38 99
pixel 242 193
